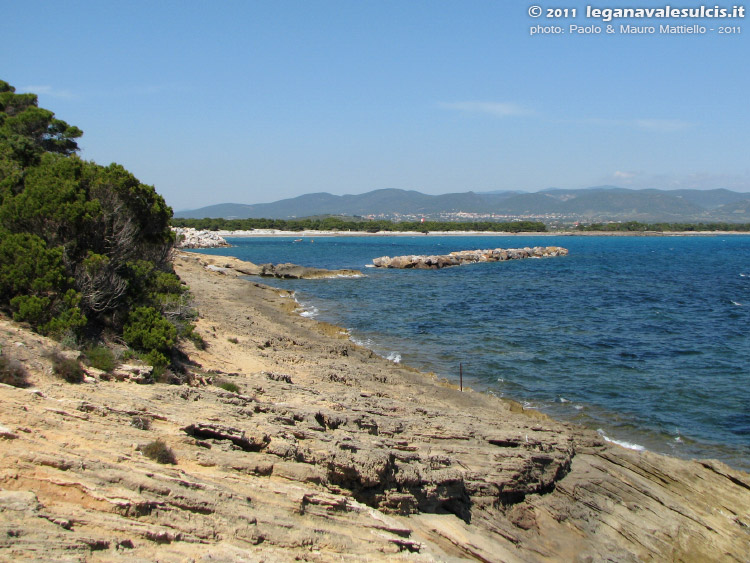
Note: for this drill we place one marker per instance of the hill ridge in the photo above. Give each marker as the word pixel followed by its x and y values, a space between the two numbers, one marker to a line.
pixel 598 203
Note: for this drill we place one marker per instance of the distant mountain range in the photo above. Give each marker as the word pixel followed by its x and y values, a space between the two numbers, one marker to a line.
pixel 600 203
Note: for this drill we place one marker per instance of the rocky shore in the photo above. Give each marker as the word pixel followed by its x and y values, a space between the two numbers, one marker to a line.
pixel 229 265
pixel 188 237
pixel 462 257
pixel 327 452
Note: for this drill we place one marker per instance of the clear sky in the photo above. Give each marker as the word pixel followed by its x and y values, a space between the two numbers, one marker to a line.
pixel 255 101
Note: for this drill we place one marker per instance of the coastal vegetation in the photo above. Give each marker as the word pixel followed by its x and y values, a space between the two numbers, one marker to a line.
pixel 227 385
pixel 159 452
pixel 636 226
pixel 68 369
pixel 84 248
pixel 12 372
pixel 373 226
pixel 358 225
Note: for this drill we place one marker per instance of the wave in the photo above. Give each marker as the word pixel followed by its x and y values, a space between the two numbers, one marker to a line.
pixel 623 443
pixel 367 343
pixel 394 357
pixel 306 311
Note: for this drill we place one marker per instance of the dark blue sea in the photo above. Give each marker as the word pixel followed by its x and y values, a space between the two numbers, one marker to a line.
pixel 646 339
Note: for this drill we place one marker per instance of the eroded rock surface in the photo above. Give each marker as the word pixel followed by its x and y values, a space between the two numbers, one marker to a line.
pixel 229 265
pixel 328 452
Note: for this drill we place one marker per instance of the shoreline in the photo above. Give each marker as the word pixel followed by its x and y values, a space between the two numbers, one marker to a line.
pixel 599 418
pixel 329 452
pixel 586 442
pixel 298 234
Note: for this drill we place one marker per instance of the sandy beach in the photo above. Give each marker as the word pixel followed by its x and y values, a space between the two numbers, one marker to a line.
pixel 329 452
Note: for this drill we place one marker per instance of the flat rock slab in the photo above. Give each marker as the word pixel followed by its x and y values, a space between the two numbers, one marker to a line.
pixel 231 266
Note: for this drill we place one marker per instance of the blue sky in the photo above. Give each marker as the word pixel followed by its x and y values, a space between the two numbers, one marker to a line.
pixel 255 101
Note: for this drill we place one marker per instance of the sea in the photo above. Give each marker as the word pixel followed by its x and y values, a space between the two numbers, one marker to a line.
pixel 644 339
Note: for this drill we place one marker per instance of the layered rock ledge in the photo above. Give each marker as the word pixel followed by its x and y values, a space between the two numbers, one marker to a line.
pixel 461 257
pixel 329 453
pixel 229 265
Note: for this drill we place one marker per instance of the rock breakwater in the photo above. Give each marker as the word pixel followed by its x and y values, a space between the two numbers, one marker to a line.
pixel 461 257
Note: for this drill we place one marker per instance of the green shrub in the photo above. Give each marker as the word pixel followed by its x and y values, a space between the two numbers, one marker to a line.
pixel 159 452
pixel 227 386
pixel 13 373
pixel 34 283
pixel 81 244
pixel 187 330
pixel 149 331
pixel 158 360
pixel 100 357
pixel 66 368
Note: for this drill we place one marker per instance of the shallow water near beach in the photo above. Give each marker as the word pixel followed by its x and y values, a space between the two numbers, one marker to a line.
pixel 646 339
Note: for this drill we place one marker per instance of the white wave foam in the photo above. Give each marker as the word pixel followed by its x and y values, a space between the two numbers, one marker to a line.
pixel 624 444
pixel 394 357
pixel 309 313
pixel 564 400
pixel 578 407
pixel 373 265
pixel 364 343
pixel 304 310
pixel 736 303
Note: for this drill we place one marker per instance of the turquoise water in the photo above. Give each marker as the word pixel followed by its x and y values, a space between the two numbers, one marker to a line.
pixel 643 338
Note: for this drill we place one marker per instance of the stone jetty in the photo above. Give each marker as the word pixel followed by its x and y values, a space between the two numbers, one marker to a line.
pixel 468 257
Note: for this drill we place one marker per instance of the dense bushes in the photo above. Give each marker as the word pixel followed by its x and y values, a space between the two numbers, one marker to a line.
pixel 34 282
pixel 148 330
pixel 636 226
pixel 100 357
pixel 84 248
pixel 361 225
